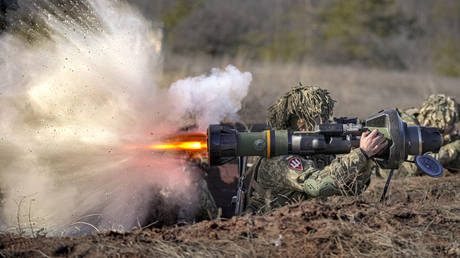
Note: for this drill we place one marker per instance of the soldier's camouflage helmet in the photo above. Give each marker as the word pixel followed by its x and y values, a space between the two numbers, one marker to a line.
pixel 439 111
pixel 301 106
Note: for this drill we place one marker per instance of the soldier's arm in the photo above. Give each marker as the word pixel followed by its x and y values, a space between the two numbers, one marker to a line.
pixel 347 174
pixel 409 116
pixel 448 153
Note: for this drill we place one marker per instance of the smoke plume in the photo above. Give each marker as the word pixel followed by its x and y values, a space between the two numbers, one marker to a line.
pixel 77 86
pixel 211 98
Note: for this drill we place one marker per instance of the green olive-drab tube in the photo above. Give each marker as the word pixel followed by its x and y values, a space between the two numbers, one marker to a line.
pixel 267 143
pixel 271 143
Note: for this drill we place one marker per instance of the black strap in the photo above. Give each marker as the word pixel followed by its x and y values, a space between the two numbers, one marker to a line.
pixel 385 189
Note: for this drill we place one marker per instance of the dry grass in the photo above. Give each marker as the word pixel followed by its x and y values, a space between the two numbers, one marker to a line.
pixel 421 218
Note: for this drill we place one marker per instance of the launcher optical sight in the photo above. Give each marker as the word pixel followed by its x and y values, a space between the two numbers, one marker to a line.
pixel 225 143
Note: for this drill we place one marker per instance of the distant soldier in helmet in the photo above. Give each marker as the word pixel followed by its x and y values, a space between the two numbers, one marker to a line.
pixel 279 180
pixel 442 112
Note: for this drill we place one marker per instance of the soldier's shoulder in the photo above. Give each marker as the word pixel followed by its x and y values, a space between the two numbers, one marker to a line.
pixel 282 161
pixel 412 111
pixel 409 115
pixel 453 145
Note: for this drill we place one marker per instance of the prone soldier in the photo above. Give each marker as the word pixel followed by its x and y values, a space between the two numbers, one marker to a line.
pixel 442 112
pixel 279 180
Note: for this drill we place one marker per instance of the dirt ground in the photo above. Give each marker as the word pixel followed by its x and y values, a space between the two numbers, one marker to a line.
pixel 421 218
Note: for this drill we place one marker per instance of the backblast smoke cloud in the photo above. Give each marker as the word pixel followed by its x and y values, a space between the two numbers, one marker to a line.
pixel 77 85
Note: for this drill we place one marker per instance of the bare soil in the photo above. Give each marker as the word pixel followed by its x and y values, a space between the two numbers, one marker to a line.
pixel 421 218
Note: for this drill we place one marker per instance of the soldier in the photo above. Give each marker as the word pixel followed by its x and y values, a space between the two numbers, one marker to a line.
pixel 279 180
pixel 442 112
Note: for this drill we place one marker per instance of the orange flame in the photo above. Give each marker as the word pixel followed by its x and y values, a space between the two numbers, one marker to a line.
pixel 193 144
pixel 179 146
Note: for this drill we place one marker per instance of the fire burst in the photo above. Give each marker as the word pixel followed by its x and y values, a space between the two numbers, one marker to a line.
pixel 193 144
pixel 179 146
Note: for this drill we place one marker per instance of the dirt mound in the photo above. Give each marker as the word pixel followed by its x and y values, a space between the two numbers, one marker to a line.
pixel 421 218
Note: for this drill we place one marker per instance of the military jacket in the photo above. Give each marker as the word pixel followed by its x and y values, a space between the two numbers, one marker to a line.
pixel 279 180
pixel 449 156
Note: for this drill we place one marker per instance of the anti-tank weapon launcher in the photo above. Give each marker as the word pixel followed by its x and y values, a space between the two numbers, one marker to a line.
pixel 225 144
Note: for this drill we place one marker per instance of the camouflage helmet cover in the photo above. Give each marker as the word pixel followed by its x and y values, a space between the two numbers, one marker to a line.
pixel 311 104
pixel 439 111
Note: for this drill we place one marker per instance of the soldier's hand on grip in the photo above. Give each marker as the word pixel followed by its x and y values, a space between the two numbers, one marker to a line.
pixel 372 142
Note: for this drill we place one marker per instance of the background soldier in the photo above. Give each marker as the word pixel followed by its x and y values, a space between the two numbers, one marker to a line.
pixel 442 112
pixel 279 180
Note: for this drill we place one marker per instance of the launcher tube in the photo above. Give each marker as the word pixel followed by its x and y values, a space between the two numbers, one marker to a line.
pixel 224 144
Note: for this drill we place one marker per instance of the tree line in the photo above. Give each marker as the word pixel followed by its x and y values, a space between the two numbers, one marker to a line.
pixel 416 35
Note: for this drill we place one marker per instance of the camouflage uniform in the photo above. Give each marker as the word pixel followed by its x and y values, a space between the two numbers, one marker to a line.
pixel 276 181
pixel 438 111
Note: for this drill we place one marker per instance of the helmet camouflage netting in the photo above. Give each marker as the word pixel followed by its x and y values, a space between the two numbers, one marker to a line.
pixel 303 102
pixel 439 111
